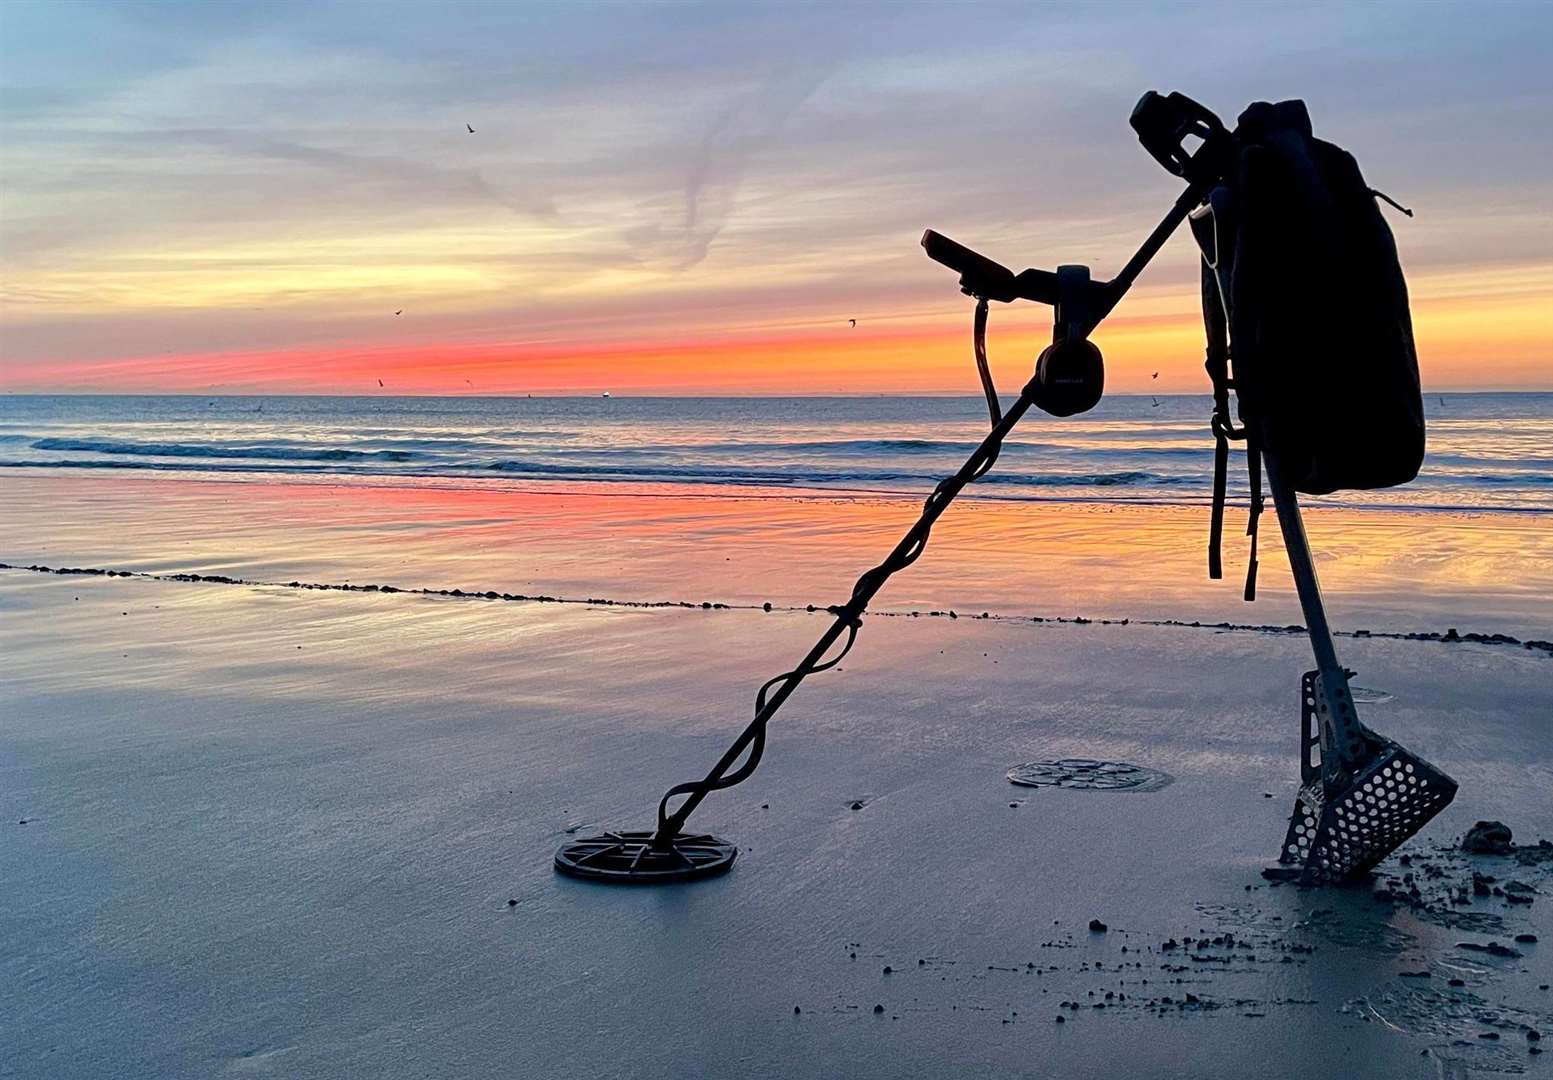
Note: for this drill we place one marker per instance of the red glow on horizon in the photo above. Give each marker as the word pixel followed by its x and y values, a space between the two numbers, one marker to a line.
pixel 1471 342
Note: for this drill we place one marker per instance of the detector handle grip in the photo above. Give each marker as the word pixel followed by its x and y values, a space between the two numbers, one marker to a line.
pixel 981 277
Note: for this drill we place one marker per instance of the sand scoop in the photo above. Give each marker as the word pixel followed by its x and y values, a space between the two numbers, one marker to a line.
pixel 1362 795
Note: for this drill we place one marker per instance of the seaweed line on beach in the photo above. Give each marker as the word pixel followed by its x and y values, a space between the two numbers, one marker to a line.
pixel 1450 636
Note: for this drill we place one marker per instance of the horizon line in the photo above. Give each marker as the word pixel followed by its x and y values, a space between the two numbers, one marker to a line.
pixel 598 396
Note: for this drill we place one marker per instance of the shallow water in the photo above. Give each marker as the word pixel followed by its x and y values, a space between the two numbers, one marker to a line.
pixel 1394 570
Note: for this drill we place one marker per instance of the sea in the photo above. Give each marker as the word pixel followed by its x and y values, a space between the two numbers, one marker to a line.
pixel 1487 451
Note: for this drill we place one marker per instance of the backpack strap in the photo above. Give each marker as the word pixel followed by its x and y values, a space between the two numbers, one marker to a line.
pixel 1216 515
pixel 1217 363
pixel 1254 468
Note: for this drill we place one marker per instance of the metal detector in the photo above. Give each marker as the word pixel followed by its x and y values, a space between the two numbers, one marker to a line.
pixel 1363 795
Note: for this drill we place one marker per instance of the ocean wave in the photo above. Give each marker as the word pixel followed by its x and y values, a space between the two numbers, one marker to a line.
pixel 855 477
pixel 956 447
pixel 647 473
pixel 627 465
pixel 1512 478
pixel 202 450
pixel 1070 488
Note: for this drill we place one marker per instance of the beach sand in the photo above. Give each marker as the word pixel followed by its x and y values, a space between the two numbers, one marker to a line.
pixel 278 831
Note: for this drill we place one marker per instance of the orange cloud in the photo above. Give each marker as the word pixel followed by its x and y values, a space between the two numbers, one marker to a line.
pixel 1474 331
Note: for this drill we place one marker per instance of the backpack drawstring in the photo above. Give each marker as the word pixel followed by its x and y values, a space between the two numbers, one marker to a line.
pixel 1382 195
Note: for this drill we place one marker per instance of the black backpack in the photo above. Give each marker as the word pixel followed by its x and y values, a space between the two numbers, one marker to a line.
pixel 1307 319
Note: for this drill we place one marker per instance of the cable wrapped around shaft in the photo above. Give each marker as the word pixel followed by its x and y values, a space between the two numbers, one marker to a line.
pixel 849 615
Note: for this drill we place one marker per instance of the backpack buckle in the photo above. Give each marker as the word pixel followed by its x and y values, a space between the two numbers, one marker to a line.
pixel 1224 428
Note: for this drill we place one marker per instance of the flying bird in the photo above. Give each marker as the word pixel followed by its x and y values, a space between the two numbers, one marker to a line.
pixel 399 312
pixel 471 128
pixel 852 322
pixel 1155 375
pixel 380 382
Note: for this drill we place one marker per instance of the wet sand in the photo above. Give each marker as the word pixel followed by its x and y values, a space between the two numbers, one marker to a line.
pixel 273 830
pixel 1381 570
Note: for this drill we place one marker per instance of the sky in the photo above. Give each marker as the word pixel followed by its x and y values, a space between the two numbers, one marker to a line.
pixel 684 199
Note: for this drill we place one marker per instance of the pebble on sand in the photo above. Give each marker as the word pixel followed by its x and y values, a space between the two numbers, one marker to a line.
pixel 878 1008
pixel 1488 838
pixel 1097 927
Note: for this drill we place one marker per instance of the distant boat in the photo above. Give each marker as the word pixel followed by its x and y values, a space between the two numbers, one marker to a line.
pixel 606 393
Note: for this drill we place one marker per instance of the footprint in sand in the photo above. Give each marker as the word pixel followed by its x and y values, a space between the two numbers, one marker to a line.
pixel 1088 774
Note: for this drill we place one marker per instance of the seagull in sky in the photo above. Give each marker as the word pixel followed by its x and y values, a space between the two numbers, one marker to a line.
pixel 399 312
pixel 471 128
pixel 1155 375
pixel 852 322
pixel 380 382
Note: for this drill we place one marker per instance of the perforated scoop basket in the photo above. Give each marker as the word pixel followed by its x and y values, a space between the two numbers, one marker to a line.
pixel 1363 796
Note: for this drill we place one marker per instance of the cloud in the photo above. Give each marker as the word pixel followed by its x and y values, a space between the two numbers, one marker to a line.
pixel 753 121
pixel 417 179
